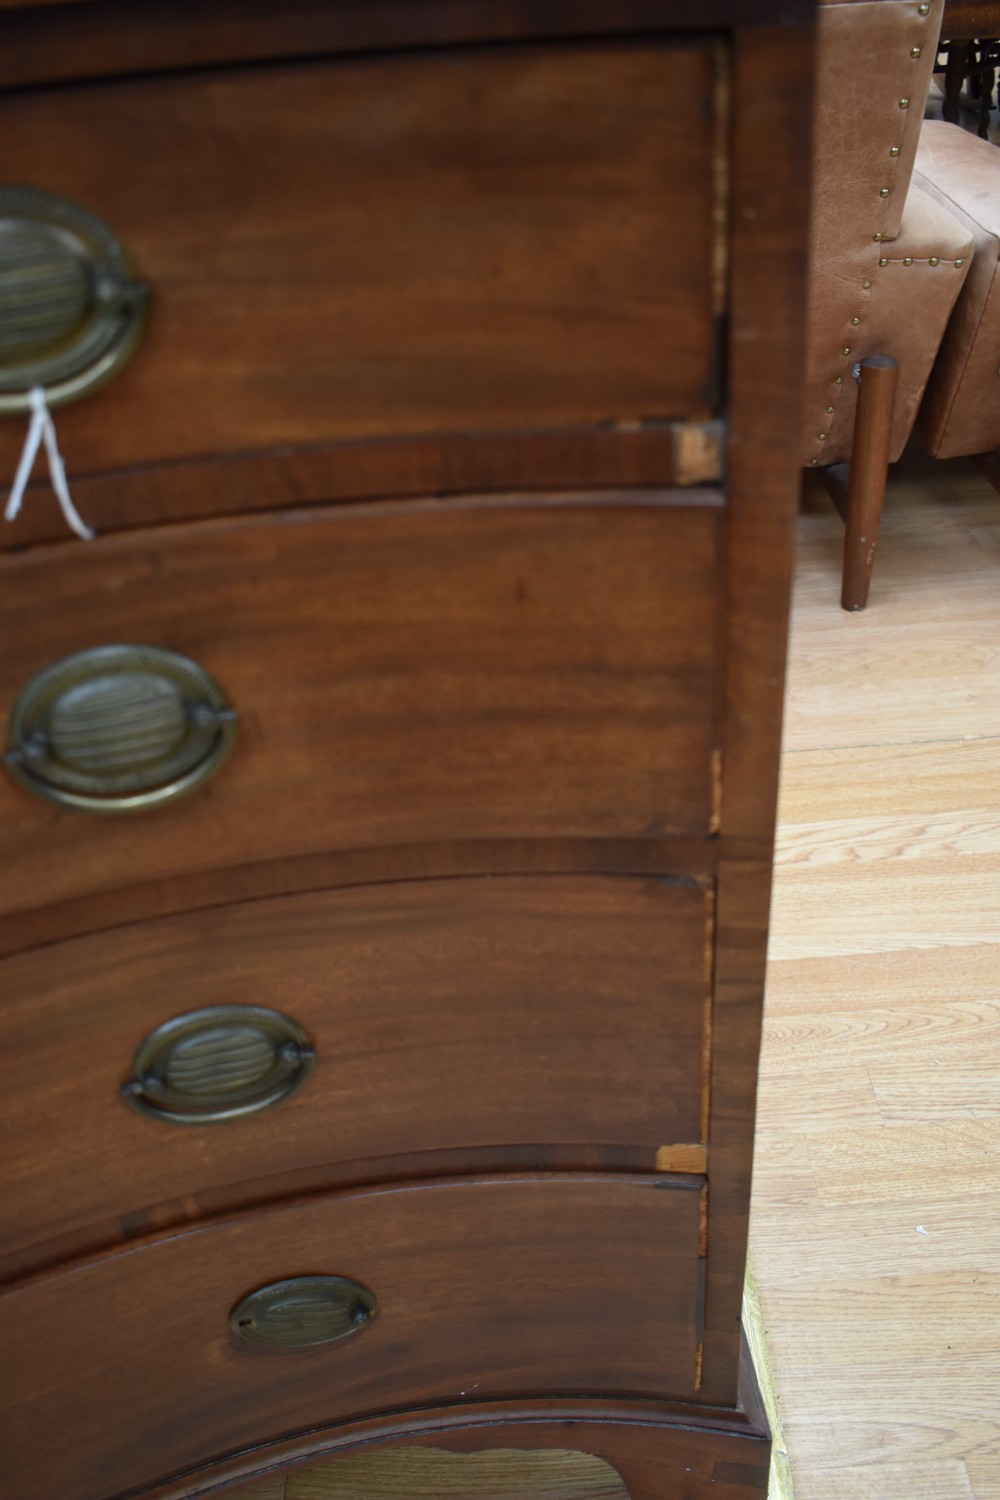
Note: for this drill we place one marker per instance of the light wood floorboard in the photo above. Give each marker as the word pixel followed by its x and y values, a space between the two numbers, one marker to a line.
pixel 432 1474
pixel 876 1224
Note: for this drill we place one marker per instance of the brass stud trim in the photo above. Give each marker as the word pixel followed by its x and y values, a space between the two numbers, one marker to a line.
pixel 846 350
pixel 814 461
pixel 865 286
pixel 916 51
pixel 883 192
pixel 894 150
pixel 883 260
pixel 838 380
pixel 822 437
pixel 960 262
pixel 855 322
pixel 829 411
pixel 877 238
pixel 904 103
pixel 907 260
pixel 933 261
pixel 923 10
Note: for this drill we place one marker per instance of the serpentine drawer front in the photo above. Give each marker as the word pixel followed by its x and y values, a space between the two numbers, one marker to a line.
pixel 572 1009
pixel 316 243
pixel 388 785
pixel 534 1285
pixel 522 667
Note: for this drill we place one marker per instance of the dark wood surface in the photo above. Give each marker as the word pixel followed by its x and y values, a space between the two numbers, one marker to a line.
pixel 658 455
pixel 665 1450
pixel 865 495
pixel 688 859
pixel 503 684
pixel 564 1015
pixel 485 1288
pixel 417 672
pixel 328 260
pixel 770 180
pixel 965 19
pixel 97 38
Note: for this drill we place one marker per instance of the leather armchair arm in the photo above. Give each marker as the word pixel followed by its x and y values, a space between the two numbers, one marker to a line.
pixel 901 294
pixel 961 412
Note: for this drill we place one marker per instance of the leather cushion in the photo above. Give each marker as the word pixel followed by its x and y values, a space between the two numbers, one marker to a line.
pixel 961 411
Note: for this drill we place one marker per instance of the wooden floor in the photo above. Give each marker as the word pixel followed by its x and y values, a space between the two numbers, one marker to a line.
pixel 876 1228
pixel 430 1474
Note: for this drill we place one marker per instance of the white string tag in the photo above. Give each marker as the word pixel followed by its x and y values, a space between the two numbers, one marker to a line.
pixel 42 429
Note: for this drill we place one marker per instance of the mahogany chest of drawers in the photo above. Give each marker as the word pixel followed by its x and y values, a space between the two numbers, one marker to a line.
pixel 391 780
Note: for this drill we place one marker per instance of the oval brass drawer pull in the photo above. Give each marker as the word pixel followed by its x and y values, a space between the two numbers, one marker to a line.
pixel 303 1311
pixel 218 1064
pixel 119 729
pixel 71 312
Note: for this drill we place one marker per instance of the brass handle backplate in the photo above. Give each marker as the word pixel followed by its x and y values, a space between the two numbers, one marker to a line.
pixel 301 1312
pixel 217 1064
pixel 119 729
pixel 71 311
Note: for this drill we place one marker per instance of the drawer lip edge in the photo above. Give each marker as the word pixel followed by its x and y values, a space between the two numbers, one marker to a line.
pixel 655 1182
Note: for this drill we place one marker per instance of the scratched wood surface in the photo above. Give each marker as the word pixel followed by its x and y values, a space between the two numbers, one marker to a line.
pixel 876 1230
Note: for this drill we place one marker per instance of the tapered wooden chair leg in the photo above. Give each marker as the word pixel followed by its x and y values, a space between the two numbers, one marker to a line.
pixel 869 467
pixel 990 465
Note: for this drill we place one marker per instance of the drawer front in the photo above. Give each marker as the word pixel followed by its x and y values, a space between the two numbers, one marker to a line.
pixel 405 673
pixel 536 1017
pixel 454 241
pixel 484 1288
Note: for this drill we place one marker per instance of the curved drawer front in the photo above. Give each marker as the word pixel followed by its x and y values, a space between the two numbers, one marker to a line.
pixel 531 1015
pixel 481 1288
pixel 401 674
pixel 457 241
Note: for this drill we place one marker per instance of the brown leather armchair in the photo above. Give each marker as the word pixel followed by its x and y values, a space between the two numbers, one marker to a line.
pixel 888 259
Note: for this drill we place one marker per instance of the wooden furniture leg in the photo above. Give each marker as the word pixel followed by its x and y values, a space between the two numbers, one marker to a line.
pixel 990 465
pixel 954 77
pixel 858 490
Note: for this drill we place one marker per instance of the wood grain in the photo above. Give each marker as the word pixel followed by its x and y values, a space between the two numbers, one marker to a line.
pixel 447 1017
pixel 970 18
pixel 661 1451
pixel 509 237
pixel 480 1286
pixel 870 448
pixel 262 1489
pixel 449 242
pixel 404 674
pixel 690 859
pixel 876 1200
pixel 103 37
pixel 425 1474
pixel 769 220
pixel 647 456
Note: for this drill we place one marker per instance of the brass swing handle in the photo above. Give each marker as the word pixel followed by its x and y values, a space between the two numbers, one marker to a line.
pixel 221 1063
pixel 71 310
pixel 119 729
